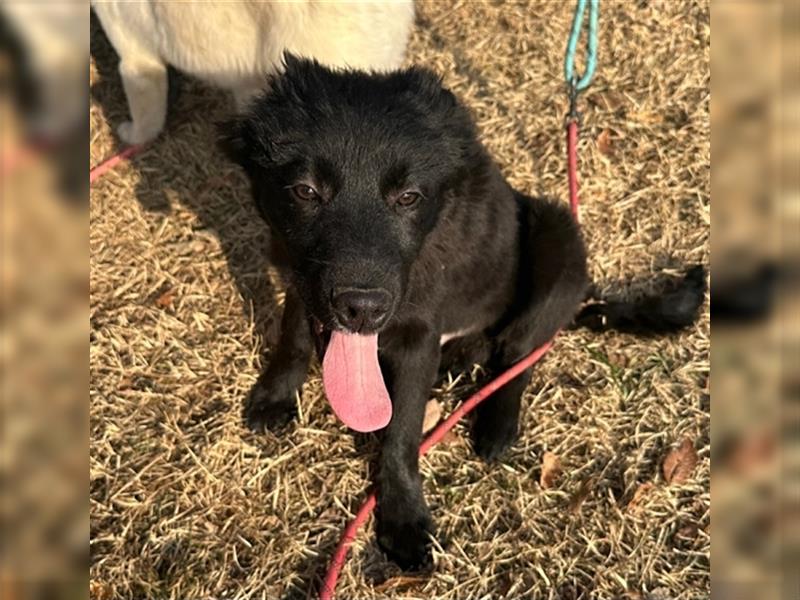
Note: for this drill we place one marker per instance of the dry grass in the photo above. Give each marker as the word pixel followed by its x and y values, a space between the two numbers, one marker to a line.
pixel 186 503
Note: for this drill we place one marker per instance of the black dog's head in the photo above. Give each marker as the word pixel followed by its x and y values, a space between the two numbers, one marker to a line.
pixel 351 170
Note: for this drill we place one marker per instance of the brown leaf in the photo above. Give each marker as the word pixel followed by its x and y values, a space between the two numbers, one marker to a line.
pixel 604 142
pixel 551 469
pixel 450 437
pixel 583 492
pixel 607 100
pixel 688 532
pixel 100 591
pixel 433 412
pixel 400 581
pixel 639 495
pixel 618 358
pixel 661 593
pixel 680 462
pixel 165 299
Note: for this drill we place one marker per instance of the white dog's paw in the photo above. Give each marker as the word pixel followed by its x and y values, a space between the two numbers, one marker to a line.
pixel 132 135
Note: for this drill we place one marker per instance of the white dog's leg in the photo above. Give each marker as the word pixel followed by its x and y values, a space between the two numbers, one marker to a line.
pixel 145 83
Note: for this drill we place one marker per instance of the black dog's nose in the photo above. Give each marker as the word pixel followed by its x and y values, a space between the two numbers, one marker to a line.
pixel 358 309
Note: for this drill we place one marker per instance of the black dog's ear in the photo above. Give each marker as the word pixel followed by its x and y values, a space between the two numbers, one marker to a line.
pixel 296 64
pixel 234 141
pixel 430 85
pixel 291 61
pixel 424 80
pixel 243 142
pixel 299 76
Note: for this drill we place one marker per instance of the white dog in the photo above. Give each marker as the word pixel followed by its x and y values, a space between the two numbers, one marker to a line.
pixel 235 44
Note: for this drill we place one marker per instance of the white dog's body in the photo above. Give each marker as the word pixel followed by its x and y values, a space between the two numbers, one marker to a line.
pixel 235 44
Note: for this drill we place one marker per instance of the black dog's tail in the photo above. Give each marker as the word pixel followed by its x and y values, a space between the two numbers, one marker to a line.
pixel 675 307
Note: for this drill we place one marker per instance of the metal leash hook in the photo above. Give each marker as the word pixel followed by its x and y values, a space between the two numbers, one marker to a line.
pixel 572 93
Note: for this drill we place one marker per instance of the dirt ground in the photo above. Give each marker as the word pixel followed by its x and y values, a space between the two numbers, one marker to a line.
pixel 187 503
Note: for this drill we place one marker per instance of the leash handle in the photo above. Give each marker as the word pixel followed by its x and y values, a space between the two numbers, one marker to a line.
pixel 591 45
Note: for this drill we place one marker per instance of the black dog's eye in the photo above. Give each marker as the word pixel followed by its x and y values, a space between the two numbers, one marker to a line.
pixel 304 192
pixel 407 199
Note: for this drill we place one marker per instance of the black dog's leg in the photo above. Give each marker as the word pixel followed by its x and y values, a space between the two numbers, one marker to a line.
pixel 403 520
pixel 549 291
pixel 497 418
pixel 271 402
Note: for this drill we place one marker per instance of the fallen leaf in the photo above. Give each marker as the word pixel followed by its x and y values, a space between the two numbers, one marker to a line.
pixel 604 143
pixel 583 492
pixel 661 593
pixel 165 299
pixel 551 469
pixel 688 532
pixel 639 495
pixel 607 100
pixel 449 437
pixel 400 581
pixel 100 591
pixel 680 462
pixel 433 412
pixel 618 359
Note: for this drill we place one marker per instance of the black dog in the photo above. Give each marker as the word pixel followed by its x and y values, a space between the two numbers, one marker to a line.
pixel 392 222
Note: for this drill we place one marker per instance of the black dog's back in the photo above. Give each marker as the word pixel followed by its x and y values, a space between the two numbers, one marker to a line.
pixel 550 283
pixel 551 279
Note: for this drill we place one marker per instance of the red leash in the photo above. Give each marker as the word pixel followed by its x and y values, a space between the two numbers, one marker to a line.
pixel 98 171
pixel 572 164
pixel 349 534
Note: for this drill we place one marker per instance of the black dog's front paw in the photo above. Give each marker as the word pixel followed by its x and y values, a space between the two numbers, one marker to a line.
pixel 491 439
pixel 407 541
pixel 265 408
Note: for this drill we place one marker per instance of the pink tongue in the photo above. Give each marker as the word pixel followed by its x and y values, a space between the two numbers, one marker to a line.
pixel 354 383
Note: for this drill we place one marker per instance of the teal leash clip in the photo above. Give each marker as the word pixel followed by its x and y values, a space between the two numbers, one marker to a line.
pixel 578 84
